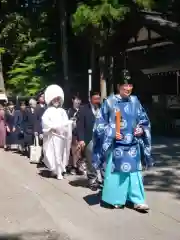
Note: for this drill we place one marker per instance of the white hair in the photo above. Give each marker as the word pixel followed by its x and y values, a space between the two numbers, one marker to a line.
pixel 32 101
pixel 53 91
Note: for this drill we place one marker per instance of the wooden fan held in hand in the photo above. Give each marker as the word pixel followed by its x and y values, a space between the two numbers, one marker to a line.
pixel 118 125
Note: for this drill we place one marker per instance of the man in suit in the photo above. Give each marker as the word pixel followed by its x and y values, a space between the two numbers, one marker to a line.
pixel 40 109
pixel 29 125
pixel 85 124
pixel 75 152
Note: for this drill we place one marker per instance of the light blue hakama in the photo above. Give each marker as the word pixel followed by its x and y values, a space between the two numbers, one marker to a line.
pixel 120 187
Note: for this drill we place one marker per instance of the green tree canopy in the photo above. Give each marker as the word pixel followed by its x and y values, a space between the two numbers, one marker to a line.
pixel 25 37
pixel 99 16
pixel 28 76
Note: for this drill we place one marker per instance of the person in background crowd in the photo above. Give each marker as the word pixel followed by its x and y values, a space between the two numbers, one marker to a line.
pixel 29 125
pixel 75 152
pixel 76 102
pixel 55 125
pixel 40 109
pixel 124 128
pixel 85 124
pixel 19 125
pixel 2 127
pixel 11 133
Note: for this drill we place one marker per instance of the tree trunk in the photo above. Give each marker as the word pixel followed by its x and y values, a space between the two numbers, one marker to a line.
pixel 2 88
pixel 103 76
pixel 64 49
pixel 110 87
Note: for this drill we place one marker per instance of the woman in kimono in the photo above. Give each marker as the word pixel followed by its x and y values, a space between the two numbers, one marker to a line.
pixel 120 149
pixel 11 133
pixel 57 130
pixel 2 127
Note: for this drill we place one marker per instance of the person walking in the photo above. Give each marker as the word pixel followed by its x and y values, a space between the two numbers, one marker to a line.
pixel 11 132
pixel 29 123
pixel 123 128
pixel 75 165
pixel 2 127
pixel 19 125
pixel 85 124
pixel 56 132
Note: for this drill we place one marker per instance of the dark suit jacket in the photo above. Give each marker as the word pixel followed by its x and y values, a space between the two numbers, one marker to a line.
pixel 19 119
pixel 85 123
pixel 39 111
pixel 30 121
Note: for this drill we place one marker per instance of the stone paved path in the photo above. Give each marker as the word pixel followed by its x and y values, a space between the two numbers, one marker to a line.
pixel 33 207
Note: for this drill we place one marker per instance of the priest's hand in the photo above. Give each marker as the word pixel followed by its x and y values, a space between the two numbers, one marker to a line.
pixel 119 136
pixel 7 129
pixel 81 145
pixel 138 131
pixel 53 130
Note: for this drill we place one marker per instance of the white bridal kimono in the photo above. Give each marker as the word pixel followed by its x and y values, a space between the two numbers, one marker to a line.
pixel 57 130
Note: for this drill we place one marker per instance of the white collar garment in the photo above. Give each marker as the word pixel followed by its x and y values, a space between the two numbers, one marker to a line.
pixel 95 111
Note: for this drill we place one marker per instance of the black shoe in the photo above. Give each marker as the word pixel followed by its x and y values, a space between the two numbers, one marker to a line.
pixel 94 186
pixel 73 171
pixel 80 172
pixel 41 165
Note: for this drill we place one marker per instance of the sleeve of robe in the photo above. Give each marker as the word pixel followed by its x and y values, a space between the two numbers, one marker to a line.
pixel 48 124
pixel 145 140
pixel 103 134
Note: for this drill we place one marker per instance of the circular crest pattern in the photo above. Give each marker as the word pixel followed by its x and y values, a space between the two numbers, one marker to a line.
pixel 123 124
pixel 125 167
pixel 118 153
pixel 128 138
pixel 133 152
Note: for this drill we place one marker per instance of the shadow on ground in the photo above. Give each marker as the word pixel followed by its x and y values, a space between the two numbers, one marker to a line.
pixel 79 182
pixel 165 176
pixel 46 235
pixel 45 173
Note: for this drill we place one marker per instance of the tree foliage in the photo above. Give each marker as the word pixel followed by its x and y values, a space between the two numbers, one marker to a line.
pixel 29 75
pixel 30 41
pixel 102 15
pixel 98 18
pixel 24 36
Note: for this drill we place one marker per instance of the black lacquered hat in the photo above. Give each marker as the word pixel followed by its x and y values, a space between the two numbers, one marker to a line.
pixel 125 77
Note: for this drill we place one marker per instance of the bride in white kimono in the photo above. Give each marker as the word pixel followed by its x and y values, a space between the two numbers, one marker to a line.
pixel 57 132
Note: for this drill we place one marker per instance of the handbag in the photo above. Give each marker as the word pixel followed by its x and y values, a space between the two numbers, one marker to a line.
pixel 35 151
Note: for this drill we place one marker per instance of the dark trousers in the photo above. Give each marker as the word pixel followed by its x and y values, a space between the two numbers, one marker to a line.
pixel 91 171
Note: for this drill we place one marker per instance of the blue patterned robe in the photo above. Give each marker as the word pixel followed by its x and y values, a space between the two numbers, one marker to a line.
pixel 128 152
pixel 123 179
